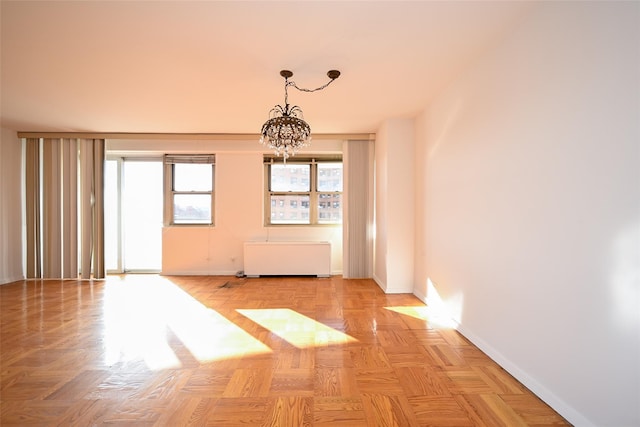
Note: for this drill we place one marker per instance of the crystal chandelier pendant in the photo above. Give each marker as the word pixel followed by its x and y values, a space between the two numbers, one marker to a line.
pixel 286 132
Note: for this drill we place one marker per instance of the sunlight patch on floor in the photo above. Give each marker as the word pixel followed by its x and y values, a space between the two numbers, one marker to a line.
pixel 134 327
pixel 209 336
pixel 295 328
pixel 144 313
pixel 431 315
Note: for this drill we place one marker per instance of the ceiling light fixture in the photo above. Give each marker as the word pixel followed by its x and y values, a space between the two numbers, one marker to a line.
pixel 286 131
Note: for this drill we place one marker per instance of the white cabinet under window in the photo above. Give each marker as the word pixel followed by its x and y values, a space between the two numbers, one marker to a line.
pixel 287 258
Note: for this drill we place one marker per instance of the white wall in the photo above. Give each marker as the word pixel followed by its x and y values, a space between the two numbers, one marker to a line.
pixel 239 198
pixel 394 193
pixel 11 268
pixel 529 212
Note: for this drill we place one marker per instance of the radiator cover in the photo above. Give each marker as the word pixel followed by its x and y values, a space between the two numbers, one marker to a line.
pixel 287 259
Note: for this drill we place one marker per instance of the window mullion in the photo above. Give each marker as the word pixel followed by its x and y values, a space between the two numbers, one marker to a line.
pixel 313 196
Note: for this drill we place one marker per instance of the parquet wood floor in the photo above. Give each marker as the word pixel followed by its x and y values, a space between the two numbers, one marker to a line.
pixel 147 350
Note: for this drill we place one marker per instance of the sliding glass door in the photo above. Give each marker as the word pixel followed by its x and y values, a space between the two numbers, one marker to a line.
pixel 133 217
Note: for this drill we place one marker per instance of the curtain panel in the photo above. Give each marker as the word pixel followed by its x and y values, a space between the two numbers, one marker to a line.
pixel 357 224
pixel 65 207
pixel 33 208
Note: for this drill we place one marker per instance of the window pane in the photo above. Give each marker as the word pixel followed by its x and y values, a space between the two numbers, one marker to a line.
pixel 142 205
pixel 329 209
pixel 192 177
pixel 329 176
pixel 291 177
pixel 192 208
pixel 290 209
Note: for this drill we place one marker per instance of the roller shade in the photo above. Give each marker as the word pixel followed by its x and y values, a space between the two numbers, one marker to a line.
pixel 170 159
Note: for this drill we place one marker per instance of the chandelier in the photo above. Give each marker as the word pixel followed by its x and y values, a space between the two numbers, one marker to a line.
pixel 286 131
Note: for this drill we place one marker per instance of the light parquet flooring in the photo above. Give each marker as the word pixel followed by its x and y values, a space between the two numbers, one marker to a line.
pixel 147 350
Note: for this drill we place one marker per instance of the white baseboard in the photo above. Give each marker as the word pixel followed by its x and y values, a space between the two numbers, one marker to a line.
pixel 397 291
pixel 422 297
pixel 197 273
pixel 550 398
pixel 214 273
pixel 380 283
pixel 560 406
pixel 389 289
pixel 7 280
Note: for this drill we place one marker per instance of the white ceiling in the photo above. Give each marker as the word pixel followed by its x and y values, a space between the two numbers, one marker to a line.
pixel 213 67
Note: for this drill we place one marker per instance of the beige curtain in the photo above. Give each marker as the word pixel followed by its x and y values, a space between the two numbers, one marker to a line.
pixel 51 209
pixel 70 207
pixel 357 223
pixel 32 206
pixel 92 158
pixel 52 185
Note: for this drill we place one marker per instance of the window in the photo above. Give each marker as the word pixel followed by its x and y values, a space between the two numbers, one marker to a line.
pixel 303 192
pixel 189 189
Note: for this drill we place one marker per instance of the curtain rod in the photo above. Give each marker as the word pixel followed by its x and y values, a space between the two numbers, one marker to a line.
pixel 193 136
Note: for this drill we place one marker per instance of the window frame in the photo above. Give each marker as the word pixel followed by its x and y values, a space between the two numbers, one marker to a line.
pixel 170 160
pixel 313 193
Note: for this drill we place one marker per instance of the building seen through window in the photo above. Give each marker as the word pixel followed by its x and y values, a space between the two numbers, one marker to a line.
pixel 304 192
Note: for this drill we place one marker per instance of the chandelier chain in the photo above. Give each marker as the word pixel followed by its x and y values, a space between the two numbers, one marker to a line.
pixel 287 83
pixel 301 89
